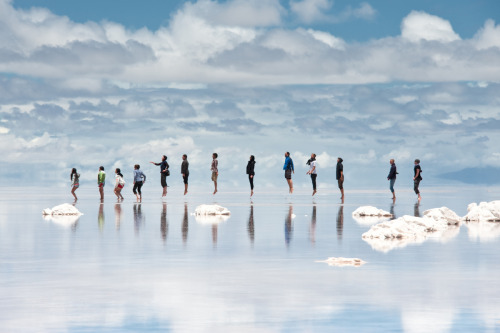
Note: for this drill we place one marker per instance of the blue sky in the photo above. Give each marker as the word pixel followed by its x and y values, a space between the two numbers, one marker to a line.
pixel 117 83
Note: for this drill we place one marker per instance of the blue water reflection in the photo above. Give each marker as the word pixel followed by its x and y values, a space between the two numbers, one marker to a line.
pixel 158 268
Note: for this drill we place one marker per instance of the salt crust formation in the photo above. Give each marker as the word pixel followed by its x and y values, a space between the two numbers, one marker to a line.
pixel 368 215
pixel 64 209
pixel 64 215
pixel 211 214
pixel 341 262
pixel 485 211
pixel 440 223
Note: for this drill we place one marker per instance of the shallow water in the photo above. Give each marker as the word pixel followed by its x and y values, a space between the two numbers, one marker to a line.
pixel 154 267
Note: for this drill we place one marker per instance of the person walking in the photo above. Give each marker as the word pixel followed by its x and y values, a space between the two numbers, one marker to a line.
pixel 288 167
pixel 119 184
pixel 164 172
pixel 75 182
pixel 101 181
pixel 417 177
pixel 139 180
pixel 251 172
pixel 392 178
pixel 340 176
pixel 185 172
pixel 312 171
pixel 215 170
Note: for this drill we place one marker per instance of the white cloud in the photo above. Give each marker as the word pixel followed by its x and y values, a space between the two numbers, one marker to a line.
pixel 488 36
pixel 422 26
pixel 309 11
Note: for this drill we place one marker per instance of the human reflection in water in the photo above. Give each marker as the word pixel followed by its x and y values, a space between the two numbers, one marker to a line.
pixel 118 215
pixel 416 209
pixel 164 223
pixel 214 234
pixel 185 224
pixel 138 218
pixel 391 210
pixel 340 222
pixel 250 227
pixel 289 226
pixel 312 229
pixel 100 217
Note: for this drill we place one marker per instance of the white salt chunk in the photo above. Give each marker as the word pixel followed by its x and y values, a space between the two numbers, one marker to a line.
pixel 341 262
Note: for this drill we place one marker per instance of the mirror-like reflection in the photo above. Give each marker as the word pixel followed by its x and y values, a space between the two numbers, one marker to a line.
pixel 251 227
pixel 340 222
pixel 312 228
pixel 118 215
pixel 288 225
pixel 164 222
pixel 416 209
pixel 214 233
pixel 100 217
pixel 391 210
pixel 138 218
pixel 185 224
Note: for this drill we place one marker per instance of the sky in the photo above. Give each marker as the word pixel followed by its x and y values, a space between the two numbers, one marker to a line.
pixel 115 83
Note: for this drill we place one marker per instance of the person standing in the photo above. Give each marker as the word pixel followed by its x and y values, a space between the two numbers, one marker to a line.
pixel 417 177
pixel 392 178
pixel 288 167
pixel 340 176
pixel 164 173
pixel 101 181
pixel 119 184
pixel 185 172
pixel 215 170
pixel 75 182
pixel 139 180
pixel 312 171
pixel 251 172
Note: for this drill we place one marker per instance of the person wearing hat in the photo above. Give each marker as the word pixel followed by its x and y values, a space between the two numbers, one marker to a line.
pixel 340 176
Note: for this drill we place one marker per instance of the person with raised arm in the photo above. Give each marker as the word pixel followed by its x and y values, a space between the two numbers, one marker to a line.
pixel 164 173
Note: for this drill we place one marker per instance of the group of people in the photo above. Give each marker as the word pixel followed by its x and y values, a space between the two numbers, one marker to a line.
pixel 140 177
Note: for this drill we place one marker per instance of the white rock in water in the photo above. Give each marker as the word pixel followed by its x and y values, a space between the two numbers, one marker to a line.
pixel 370 211
pixel 485 211
pixel 341 262
pixel 443 213
pixel 368 215
pixel 408 229
pixel 64 209
pixel 211 210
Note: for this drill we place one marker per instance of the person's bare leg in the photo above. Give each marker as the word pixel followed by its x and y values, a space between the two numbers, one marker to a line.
pixel 101 192
pixel 185 189
pixel 342 192
pixel 251 192
pixel 290 185
pixel 73 192
pixel 164 191
pixel 215 184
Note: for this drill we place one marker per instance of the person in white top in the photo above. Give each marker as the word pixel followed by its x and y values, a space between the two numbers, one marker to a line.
pixel 312 171
pixel 119 184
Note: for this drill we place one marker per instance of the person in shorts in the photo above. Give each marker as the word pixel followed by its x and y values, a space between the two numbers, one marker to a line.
pixel 288 167
pixel 119 184
pixel 101 181
pixel 185 172
pixel 75 182
pixel 215 170
pixel 340 176
pixel 164 173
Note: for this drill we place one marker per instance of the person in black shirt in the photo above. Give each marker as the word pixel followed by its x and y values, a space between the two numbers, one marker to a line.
pixel 417 177
pixel 340 176
pixel 251 172
pixel 185 172
pixel 164 173
pixel 392 178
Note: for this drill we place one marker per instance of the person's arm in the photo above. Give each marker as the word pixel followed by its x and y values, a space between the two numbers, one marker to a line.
pixel 291 162
pixel 416 175
pixel 144 176
pixel 155 163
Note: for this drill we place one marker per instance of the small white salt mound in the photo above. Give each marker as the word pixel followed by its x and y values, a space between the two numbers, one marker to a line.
pixel 483 231
pixel 368 215
pixel 341 262
pixel 485 211
pixel 211 210
pixel 64 209
pixel 408 229
pixel 443 214
pixel 370 211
